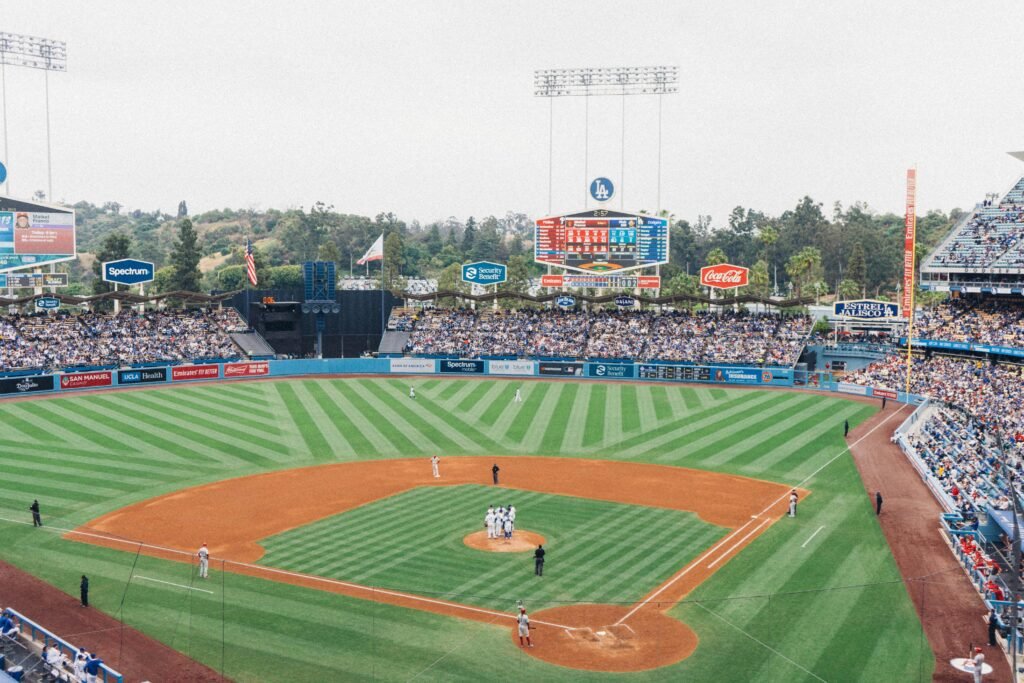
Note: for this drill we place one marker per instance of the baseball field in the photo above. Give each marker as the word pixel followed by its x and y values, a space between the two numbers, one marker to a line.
pixel 339 557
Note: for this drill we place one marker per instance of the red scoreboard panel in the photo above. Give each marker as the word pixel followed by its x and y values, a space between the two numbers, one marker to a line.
pixel 601 241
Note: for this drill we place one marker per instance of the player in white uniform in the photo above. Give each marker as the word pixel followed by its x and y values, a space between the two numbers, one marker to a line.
pixel 519 396
pixel 489 521
pixel 204 561
pixel 79 665
pixel 412 392
pixel 512 515
pixel 434 461
pixel 978 660
pixel 508 528
pixel 524 627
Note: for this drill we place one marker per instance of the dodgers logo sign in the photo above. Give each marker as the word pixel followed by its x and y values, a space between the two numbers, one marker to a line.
pixel 484 273
pixel 566 301
pixel 128 271
pixel 601 189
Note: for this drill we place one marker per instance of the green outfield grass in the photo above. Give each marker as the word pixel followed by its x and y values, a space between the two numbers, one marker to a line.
pixel 831 610
pixel 413 542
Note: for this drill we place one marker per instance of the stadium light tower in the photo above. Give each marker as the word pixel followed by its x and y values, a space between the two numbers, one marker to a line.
pixel 588 81
pixel 33 53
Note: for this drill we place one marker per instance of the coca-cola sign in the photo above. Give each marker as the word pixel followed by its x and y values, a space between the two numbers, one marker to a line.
pixel 724 276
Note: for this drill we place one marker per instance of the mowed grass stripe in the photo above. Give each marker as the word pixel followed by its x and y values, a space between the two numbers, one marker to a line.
pixel 101 461
pixel 400 443
pixel 134 435
pixel 709 426
pixel 244 397
pixel 330 417
pixel 594 415
pixel 802 436
pixel 557 422
pixel 573 420
pixel 440 435
pixel 197 420
pixel 690 399
pixel 611 427
pixel 359 432
pixel 58 417
pixel 472 399
pixel 24 427
pixel 194 402
pixel 492 405
pixel 469 438
pixel 747 434
pixel 204 443
pixel 451 388
pixel 662 405
pixel 629 415
pixel 522 419
pixel 656 437
pixel 311 435
pixel 85 474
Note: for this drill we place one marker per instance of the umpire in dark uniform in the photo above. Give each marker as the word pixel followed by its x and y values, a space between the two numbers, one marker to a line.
pixel 538 561
pixel 83 590
pixel 494 473
pixel 36 519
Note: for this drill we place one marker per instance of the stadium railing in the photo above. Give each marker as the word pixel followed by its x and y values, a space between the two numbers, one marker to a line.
pixel 44 638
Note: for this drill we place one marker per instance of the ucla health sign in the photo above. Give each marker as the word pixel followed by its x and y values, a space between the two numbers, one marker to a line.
pixel 128 271
pixel 866 309
pixel 484 273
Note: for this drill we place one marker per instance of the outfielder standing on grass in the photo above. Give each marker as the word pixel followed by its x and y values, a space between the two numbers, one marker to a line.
pixel 204 561
pixel 434 461
pixel 524 627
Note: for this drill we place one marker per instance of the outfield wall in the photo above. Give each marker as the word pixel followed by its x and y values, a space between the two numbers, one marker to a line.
pixel 621 371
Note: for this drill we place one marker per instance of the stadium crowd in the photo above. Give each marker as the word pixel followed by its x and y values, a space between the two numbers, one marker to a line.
pixel 682 336
pixel 64 340
pixel 988 321
pixel 989 236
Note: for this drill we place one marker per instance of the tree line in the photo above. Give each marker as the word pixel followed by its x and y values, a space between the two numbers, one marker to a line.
pixel 850 250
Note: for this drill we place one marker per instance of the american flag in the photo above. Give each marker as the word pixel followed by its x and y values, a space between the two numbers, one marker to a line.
pixel 250 263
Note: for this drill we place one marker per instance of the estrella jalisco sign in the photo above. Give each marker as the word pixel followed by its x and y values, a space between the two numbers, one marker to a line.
pixel 866 308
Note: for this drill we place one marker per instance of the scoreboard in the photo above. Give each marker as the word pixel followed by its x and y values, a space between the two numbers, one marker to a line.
pixel 679 373
pixel 601 241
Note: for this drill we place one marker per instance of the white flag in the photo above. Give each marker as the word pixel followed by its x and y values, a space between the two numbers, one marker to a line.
pixel 375 252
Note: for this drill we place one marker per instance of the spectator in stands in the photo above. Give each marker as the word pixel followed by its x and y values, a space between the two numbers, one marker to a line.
pixel 8 629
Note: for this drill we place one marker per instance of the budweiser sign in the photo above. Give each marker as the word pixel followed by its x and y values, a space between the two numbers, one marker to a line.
pixel 246 369
pixel 724 276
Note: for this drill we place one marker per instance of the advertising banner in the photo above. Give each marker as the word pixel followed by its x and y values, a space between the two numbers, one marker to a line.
pixel 909 240
pixel 884 393
pixel 246 369
pixel 462 366
pixel 26 385
pixel 739 375
pixel 82 380
pixel 510 367
pixel 141 376
pixel 565 369
pixel 412 365
pixel 846 388
pixel 866 308
pixel 26 280
pixel 34 235
pixel 484 273
pixel 724 276
pixel 128 271
pixel 184 373
pixel 611 371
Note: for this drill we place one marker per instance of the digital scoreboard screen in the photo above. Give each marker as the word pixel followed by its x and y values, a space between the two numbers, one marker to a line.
pixel 678 373
pixel 601 241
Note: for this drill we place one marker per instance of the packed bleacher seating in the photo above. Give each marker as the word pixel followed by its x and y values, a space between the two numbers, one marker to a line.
pixel 32 653
pixel 728 337
pixel 982 321
pixel 64 340
pixel 991 236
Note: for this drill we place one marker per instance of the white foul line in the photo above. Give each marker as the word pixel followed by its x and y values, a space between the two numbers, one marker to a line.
pixel 703 556
pixel 307 577
pixel 739 542
pixel 812 536
pixel 190 588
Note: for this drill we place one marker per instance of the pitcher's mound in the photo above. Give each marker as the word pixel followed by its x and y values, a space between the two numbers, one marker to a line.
pixel 520 542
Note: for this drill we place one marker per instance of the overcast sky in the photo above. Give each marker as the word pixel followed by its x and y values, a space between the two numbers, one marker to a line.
pixel 427 108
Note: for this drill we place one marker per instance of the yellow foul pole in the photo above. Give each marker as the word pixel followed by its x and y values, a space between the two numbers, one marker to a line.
pixel 909 244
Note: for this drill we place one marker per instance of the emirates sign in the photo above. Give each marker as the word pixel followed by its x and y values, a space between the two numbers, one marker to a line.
pixel 724 276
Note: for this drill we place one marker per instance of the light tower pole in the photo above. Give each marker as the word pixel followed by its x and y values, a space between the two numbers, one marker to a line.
pixel 33 53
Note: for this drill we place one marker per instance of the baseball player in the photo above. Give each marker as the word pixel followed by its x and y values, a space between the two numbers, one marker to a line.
pixel 524 627
pixel 512 515
pixel 204 561
pixel 508 528
pixel 434 461
pixel 792 503
pixel 978 662
pixel 412 392
pixel 489 522
pixel 519 396
pixel 79 664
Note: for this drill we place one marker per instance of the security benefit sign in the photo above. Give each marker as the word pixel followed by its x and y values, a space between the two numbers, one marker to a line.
pixel 867 309
pixel 610 370
pixel 484 273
